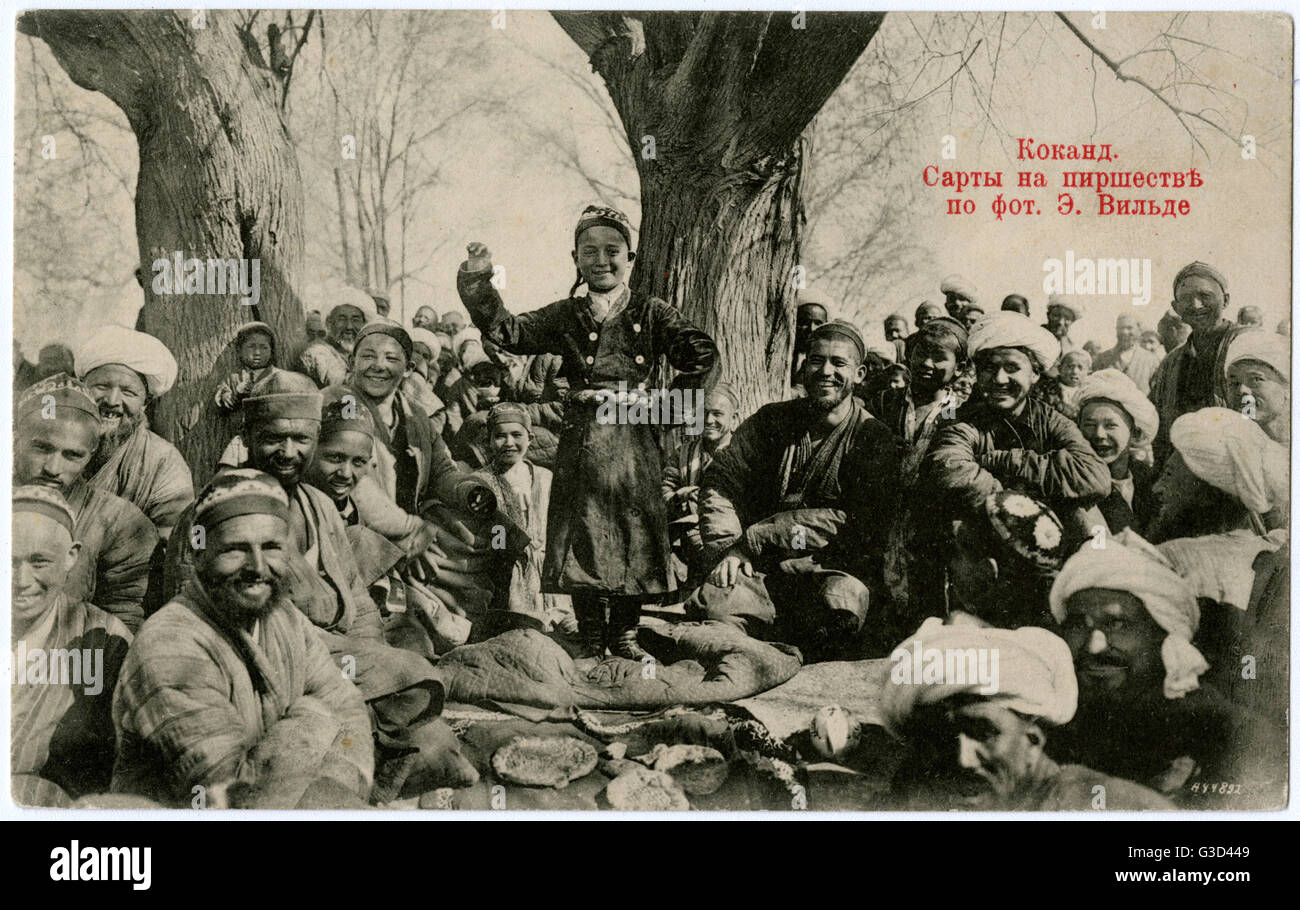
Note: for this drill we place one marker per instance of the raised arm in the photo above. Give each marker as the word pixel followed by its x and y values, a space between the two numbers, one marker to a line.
pixel 538 332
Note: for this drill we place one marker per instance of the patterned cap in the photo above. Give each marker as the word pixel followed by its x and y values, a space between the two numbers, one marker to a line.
pixel 1028 527
pixel 61 390
pixel 594 215
pixel 44 501
pixel 509 412
pixel 240 491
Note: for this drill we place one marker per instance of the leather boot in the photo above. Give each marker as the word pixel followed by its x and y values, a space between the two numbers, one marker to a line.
pixel 624 619
pixel 591 625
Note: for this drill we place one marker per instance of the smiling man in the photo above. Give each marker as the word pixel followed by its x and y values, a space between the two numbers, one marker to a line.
pixel 229 687
pixel 61 725
pixel 1259 381
pixel 792 511
pixel 1194 375
pixel 125 370
pixel 970 748
pixel 56 432
pixel 1005 439
pixel 325 360
pixel 1131 621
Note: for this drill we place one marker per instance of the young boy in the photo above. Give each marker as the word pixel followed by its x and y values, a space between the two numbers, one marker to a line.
pixel 607 538
pixel 255 347
pixel 523 491
pixel 682 473
pixel 1075 367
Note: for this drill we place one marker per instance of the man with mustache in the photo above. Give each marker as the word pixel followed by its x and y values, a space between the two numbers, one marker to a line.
pixel 229 692
pixel 125 371
pixel 972 748
pixel 1194 375
pixel 56 432
pixel 282 418
pixel 791 512
pixel 325 360
pixel 1127 356
pixel 61 728
pixel 1132 624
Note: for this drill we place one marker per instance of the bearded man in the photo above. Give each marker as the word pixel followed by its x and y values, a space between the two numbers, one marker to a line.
pixel 229 692
pixel 125 372
pixel 325 360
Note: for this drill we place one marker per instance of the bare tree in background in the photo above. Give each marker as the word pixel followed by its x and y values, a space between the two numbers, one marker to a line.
pixel 391 86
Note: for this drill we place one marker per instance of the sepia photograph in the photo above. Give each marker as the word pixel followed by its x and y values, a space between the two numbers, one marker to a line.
pixel 769 411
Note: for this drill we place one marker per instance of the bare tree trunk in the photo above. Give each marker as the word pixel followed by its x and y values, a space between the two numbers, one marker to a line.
pixel 721 99
pixel 349 264
pixel 218 180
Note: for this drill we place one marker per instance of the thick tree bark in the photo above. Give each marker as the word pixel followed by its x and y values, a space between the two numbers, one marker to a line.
pixel 725 98
pixel 218 180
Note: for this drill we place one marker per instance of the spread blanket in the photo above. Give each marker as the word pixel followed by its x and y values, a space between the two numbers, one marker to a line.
pixel 528 674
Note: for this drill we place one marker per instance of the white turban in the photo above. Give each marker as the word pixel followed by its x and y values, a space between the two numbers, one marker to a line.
pixel 346 295
pixel 140 352
pixel 1230 451
pixel 1035 672
pixel 1128 563
pixel 885 350
pixel 1221 566
pixel 1113 385
pixel 1066 302
pixel 1264 346
pixel 955 284
pixel 426 338
pixel 1008 329
pixel 469 333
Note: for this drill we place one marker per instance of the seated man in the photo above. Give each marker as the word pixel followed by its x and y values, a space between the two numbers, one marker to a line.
pixel 1144 713
pixel 979 743
pixel 322 579
pixel 124 371
pixel 56 432
pixel 66 660
pixel 1003 438
pixel 229 688
pixel 794 507
pixel 683 472
pixel 1006 560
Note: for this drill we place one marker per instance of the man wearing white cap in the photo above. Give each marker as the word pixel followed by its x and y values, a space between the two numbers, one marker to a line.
pixel 1131 622
pixel 326 360
pixel 957 293
pixel 978 743
pixel 1062 312
pixel 1259 381
pixel 124 371
pixel 1004 437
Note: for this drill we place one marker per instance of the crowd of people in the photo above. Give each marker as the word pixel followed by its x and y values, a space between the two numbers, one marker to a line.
pixel 1111 525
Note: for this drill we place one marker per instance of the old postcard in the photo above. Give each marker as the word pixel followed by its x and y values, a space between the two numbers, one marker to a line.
pixel 793 410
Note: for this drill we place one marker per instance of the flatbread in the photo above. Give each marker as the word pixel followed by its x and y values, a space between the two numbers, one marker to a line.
pixel 544 761
pixel 646 790
pixel 698 770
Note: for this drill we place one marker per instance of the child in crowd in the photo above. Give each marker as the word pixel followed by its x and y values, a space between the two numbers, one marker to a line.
pixel 607 536
pixel 1075 367
pixel 255 347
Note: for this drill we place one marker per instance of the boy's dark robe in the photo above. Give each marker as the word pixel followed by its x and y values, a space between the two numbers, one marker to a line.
pixel 607 530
